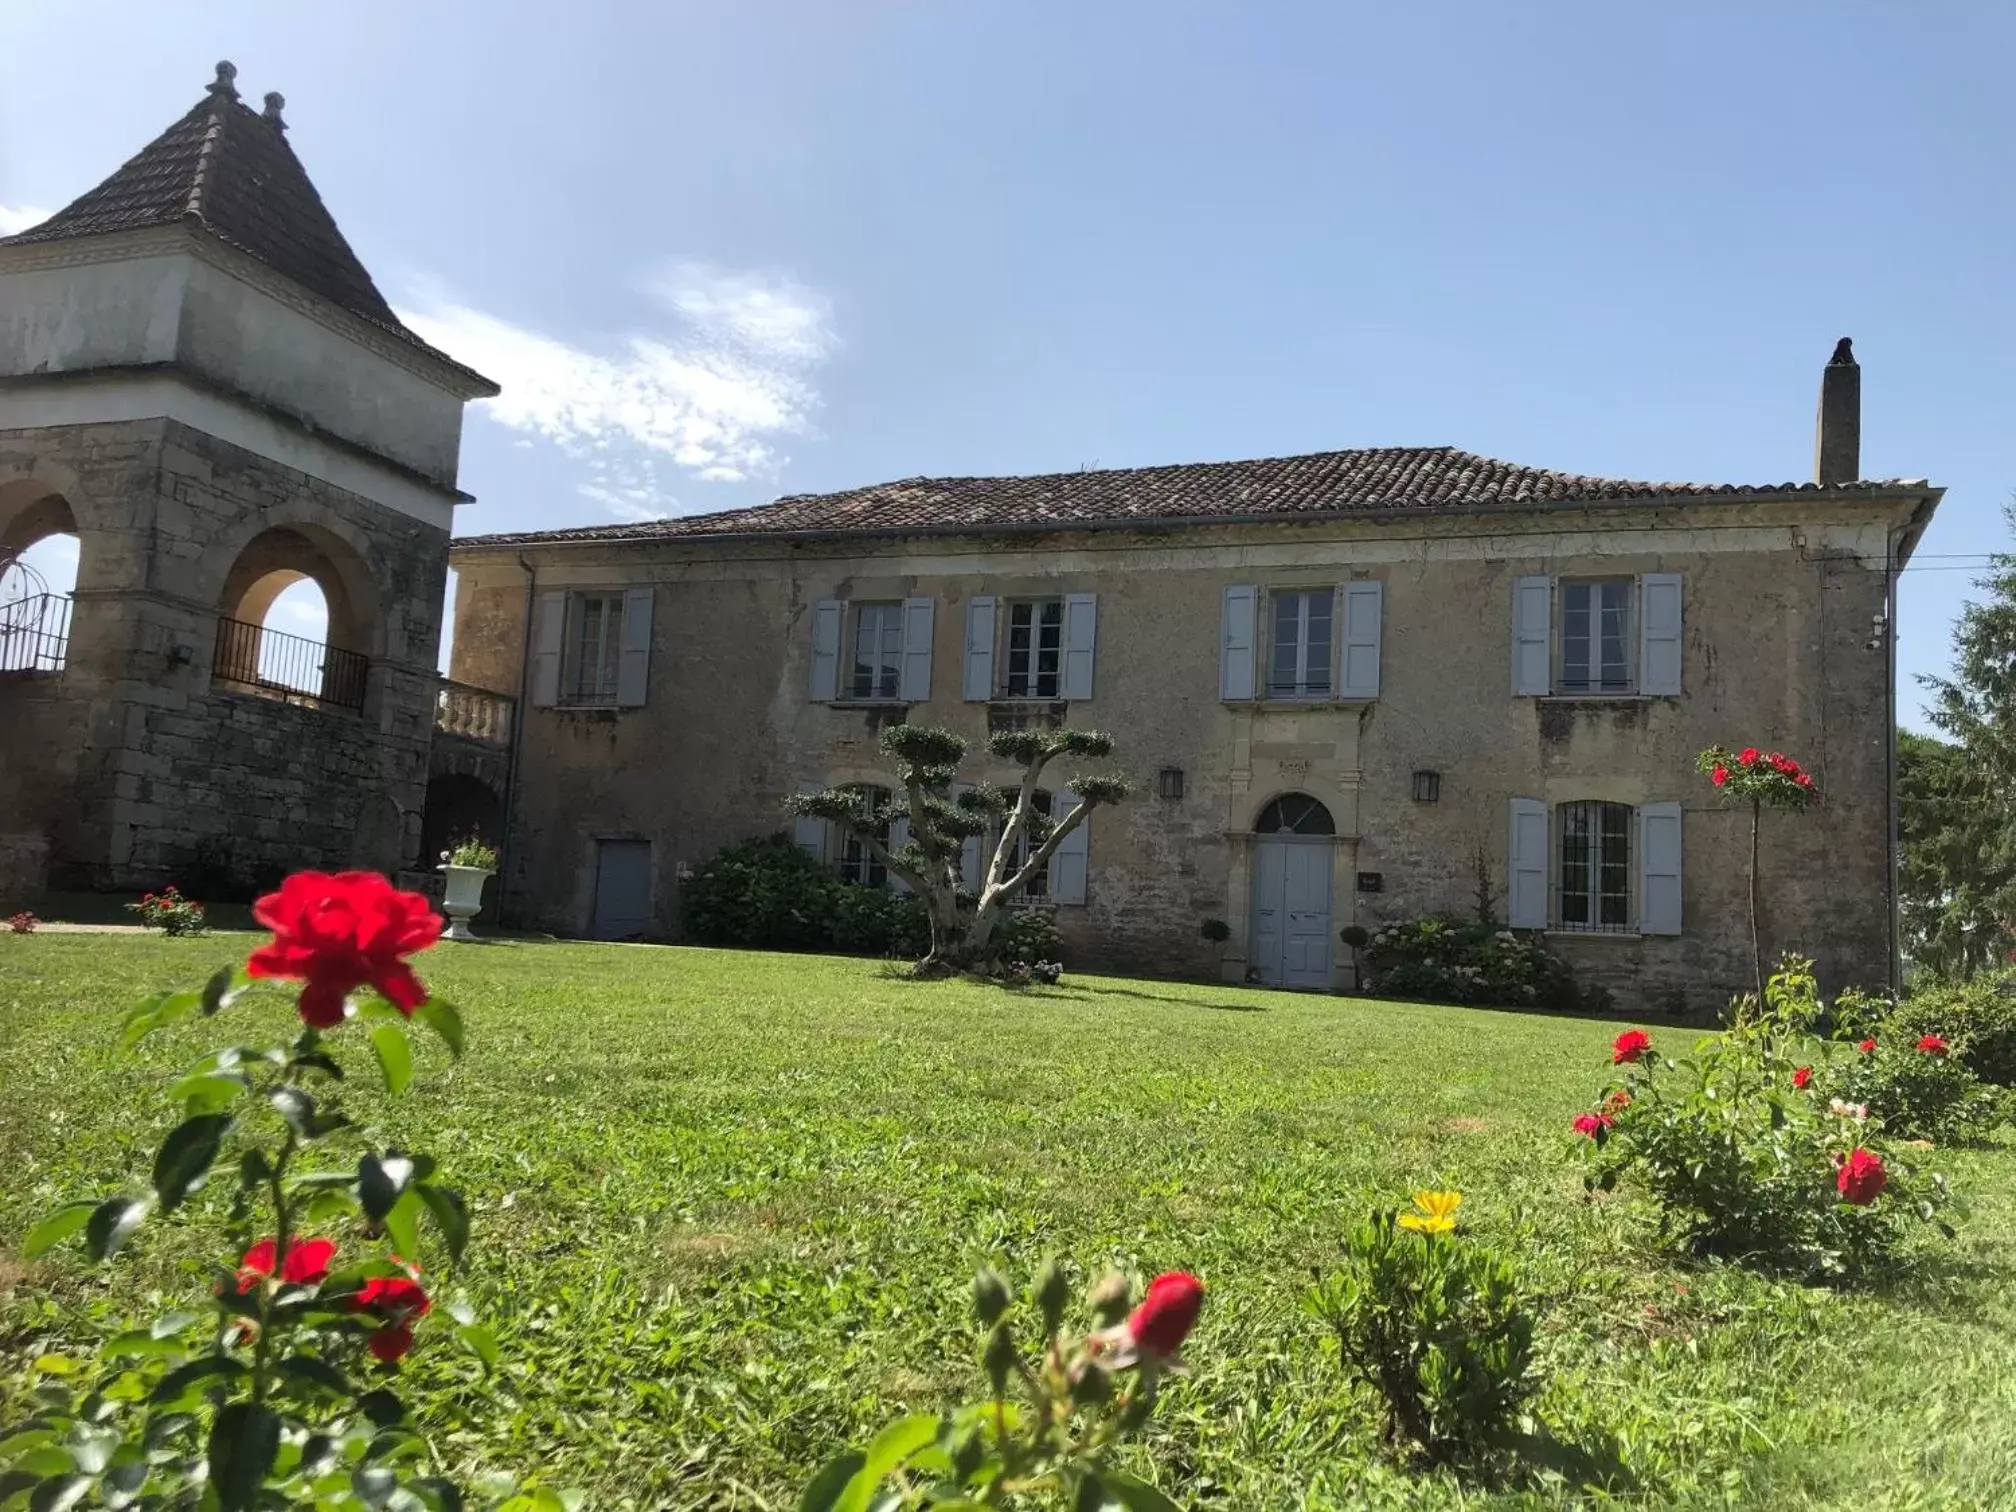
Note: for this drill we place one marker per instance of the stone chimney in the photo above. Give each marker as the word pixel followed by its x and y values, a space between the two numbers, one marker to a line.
pixel 1837 443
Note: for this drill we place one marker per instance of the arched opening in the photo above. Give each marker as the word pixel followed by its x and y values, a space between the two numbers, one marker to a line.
pixel 458 808
pixel 1295 814
pixel 39 555
pixel 295 619
pixel 1292 846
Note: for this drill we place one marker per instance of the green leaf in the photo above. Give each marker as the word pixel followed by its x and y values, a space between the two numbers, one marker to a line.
pixel 1135 1495
pixel 186 1156
pixel 395 1056
pixel 317 1373
pixel 168 1325
pixel 439 1495
pixel 480 1342
pixel 59 1493
pixel 402 1225
pixel 138 1344
pixel 243 1442
pixel 823 1492
pixel 112 1223
pixel 209 1091
pixel 382 1407
pixel 156 1012
pixel 57 1227
pixel 445 1019
pixel 222 988
pixel 886 1451
pixel 92 1447
pixel 381 1182
pixel 178 1382
pixel 450 1215
pixel 294 1105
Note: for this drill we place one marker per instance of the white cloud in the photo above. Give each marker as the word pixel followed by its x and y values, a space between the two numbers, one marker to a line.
pixel 710 389
pixel 20 217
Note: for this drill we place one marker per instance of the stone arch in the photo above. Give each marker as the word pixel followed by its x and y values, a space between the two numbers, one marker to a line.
pixel 31 511
pixel 282 555
pixel 458 806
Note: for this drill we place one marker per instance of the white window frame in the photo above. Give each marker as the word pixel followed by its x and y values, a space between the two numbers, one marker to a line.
pixel 585 686
pixel 848 853
pixel 1301 691
pixel 888 659
pixel 1593 686
pixel 1043 802
pixel 1592 893
pixel 1034 607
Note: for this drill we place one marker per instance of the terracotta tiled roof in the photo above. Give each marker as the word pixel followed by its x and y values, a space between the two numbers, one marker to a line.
pixel 230 169
pixel 1374 480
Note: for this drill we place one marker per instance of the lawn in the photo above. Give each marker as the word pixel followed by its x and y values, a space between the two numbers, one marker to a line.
pixel 728 1207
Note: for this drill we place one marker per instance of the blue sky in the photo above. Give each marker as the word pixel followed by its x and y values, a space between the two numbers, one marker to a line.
pixel 717 253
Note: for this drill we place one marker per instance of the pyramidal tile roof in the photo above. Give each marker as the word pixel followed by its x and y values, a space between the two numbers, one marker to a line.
pixel 229 168
pixel 1373 480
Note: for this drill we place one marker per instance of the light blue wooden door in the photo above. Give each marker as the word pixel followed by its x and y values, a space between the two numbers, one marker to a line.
pixel 1291 913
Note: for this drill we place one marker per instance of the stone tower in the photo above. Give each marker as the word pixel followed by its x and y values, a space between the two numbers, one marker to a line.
pixel 199 379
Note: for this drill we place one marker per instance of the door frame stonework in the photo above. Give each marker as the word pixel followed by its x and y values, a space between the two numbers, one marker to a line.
pixel 1242 845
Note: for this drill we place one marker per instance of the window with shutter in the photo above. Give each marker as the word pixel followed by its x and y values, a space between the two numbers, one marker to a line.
pixel 591 658
pixel 1593 888
pixel 1299 642
pixel 876 668
pixel 1033 649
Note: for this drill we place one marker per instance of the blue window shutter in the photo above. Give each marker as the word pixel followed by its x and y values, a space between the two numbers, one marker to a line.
pixel 978 684
pixel 1526 884
pixel 1236 625
pixel 1364 603
pixel 1068 861
pixel 1659 869
pixel 916 674
pixel 1081 627
pixel 633 665
pixel 1532 636
pixel 826 650
pixel 1659 643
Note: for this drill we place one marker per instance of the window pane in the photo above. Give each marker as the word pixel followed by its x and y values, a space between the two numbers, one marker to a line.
pixel 1616 635
pixel 1615 877
pixel 1049 647
pixel 1575 635
pixel 1316 664
pixel 1281 677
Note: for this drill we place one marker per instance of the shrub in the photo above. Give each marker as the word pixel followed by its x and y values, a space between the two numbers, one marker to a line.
pixel 1084 1397
pixel 1435 1325
pixel 764 894
pixel 170 912
pixel 1445 959
pixel 1918 1087
pixel 1217 931
pixel 871 921
pixel 274 1389
pixel 1978 1018
pixel 1028 936
pixel 1749 1157
pixel 24 922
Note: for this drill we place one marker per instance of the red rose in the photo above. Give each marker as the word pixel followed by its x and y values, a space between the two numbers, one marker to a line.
pixel 1749 756
pixel 1162 1321
pixel 1862 1177
pixel 1803 1078
pixel 1631 1045
pixel 1592 1124
pixel 1867 1046
pixel 1719 775
pixel 307 1263
pixel 396 1299
pixel 1932 1044
pixel 389 1345
pixel 1803 780
pixel 340 933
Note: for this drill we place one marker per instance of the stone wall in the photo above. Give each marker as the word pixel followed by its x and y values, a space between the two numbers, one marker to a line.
pixel 170 770
pixel 1779 601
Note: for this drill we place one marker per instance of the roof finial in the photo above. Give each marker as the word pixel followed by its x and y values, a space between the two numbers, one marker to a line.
pixel 222 87
pixel 275 103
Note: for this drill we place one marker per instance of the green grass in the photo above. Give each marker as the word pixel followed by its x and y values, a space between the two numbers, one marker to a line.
pixel 728 1206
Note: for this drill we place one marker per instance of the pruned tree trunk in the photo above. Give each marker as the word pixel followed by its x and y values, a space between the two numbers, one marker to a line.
pixel 962 942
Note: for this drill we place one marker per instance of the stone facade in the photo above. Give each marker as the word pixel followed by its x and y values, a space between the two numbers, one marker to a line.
pixel 136 761
pixel 1779 598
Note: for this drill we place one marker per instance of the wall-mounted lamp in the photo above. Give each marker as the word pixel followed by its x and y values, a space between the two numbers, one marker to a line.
pixel 1427 787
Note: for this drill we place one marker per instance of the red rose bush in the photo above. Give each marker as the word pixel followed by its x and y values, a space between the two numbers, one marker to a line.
pixel 280 1391
pixel 1057 1406
pixel 1753 1146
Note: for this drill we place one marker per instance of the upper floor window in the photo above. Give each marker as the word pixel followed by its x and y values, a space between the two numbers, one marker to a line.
pixel 1594 885
pixel 1596 637
pixel 1035 648
pixel 594 649
pixel 878 652
pixel 1298 658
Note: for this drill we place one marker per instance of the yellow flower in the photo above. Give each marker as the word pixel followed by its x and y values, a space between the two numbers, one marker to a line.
pixel 1438 1212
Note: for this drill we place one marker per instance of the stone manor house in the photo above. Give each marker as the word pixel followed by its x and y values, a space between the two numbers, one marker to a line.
pixel 1353 687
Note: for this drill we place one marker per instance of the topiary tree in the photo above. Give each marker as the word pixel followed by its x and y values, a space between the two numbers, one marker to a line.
pixel 1762 780
pixel 940 819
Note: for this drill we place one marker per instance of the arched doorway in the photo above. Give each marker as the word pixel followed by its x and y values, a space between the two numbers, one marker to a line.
pixel 295 619
pixel 1293 838
pixel 39 555
pixel 458 808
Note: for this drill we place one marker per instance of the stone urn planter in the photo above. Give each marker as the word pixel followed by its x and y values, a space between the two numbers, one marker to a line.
pixel 462 897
